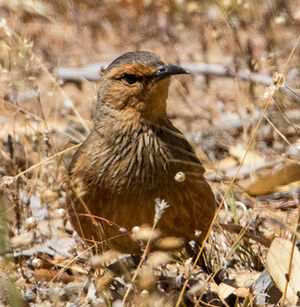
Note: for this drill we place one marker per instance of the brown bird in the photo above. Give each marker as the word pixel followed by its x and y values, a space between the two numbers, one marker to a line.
pixel 133 156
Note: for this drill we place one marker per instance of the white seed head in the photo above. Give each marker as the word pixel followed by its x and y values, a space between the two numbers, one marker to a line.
pixel 158 258
pixel 269 91
pixel 278 79
pixel 68 103
pixel 105 258
pixel 170 243
pixel 145 233
pixel 280 20
pixel 160 207
pixel 7 180
pixel 136 229
pixel 180 177
pixel 30 223
pixel 61 212
pixel 197 233
pixel 36 263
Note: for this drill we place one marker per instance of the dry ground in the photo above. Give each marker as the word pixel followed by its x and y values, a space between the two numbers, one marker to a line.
pixel 246 133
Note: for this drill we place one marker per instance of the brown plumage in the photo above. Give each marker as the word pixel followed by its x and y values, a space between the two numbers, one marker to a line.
pixel 131 158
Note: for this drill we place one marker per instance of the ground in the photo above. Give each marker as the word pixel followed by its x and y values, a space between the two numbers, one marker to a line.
pixel 245 132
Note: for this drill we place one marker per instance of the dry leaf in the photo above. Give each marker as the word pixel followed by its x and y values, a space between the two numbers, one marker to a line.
pixel 278 259
pixel 269 183
pixel 225 290
pixel 245 278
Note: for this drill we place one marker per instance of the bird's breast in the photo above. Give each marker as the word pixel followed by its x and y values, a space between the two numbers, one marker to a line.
pixel 136 159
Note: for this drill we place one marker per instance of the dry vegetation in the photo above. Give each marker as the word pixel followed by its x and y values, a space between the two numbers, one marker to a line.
pixel 246 133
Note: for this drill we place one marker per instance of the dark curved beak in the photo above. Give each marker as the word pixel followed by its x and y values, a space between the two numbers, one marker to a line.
pixel 165 71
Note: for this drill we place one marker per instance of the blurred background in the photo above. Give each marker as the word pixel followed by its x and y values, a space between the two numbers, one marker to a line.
pixel 46 107
pixel 38 37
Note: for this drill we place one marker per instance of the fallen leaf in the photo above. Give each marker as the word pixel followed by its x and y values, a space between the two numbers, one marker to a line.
pixel 277 261
pixel 269 183
pixel 225 290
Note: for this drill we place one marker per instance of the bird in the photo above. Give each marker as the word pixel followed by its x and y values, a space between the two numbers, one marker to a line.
pixel 134 158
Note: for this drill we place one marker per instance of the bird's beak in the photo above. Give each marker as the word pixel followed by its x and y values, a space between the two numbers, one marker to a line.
pixel 165 71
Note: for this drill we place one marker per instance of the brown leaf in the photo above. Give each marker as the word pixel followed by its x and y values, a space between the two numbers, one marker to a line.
pixel 48 275
pixel 268 184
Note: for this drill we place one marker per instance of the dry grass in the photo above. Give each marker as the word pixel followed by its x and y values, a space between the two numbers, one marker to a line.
pixel 42 118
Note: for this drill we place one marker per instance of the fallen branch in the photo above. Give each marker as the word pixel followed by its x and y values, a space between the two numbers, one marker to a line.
pixel 91 73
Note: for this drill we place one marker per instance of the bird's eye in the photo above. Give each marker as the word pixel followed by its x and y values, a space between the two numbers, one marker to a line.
pixel 130 78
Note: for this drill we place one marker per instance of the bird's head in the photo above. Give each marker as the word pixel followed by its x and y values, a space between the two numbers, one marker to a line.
pixel 137 83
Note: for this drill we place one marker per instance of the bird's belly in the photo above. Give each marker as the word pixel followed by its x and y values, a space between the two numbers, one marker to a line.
pixel 116 215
